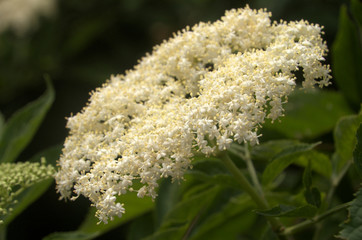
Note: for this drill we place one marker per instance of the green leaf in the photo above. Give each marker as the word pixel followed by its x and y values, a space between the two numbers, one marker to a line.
pixel 347 54
pixel 320 163
pixel 134 207
pixel 357 153
pixel 306 211
pixel 309 114
pixel 232 218
pixel 76 235
pixel 190 208
pixel 307 176
pixel 90 228
pixel 51 155
pixel 356 10
pixel 180 221
pixel 210 166
pixel 212 171
pixel 313 196
pixel 22 126
pixel 192 186
pixel 220 179
pixel 141 227
pixel 229 228
pixel 27 197
pixel 345 139
pixel 168 196
pixel 268 150
pixel 268 234
pixel 352 228
pixel 286 157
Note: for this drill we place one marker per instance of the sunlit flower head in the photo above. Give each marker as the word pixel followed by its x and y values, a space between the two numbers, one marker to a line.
pixel 208 86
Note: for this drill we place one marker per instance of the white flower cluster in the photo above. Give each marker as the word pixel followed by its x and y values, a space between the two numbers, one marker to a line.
pixel 21 15
pixel 16 177
pixel 199 91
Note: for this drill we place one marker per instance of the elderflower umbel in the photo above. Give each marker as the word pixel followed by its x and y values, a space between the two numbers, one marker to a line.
pixel 199 91
pixel 21 15
pixel 16 177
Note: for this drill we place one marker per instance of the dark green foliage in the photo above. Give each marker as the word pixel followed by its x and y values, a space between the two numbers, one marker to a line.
pixel 286 157
pixel 15 135
pixel 352 228
pixel 347 53
pixel 357 153
pixel 21 127
pixel 310 114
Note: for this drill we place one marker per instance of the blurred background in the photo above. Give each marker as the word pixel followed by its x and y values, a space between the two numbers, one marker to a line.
pixel 79 44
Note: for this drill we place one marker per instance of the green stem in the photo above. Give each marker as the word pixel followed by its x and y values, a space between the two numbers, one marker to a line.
pixel 261 202
pixel 252 172
pixel 303 225
pixel 248 188
pixel 243 153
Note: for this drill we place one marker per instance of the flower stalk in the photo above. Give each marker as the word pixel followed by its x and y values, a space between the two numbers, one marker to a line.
pixel 260 201
pixel 244 153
